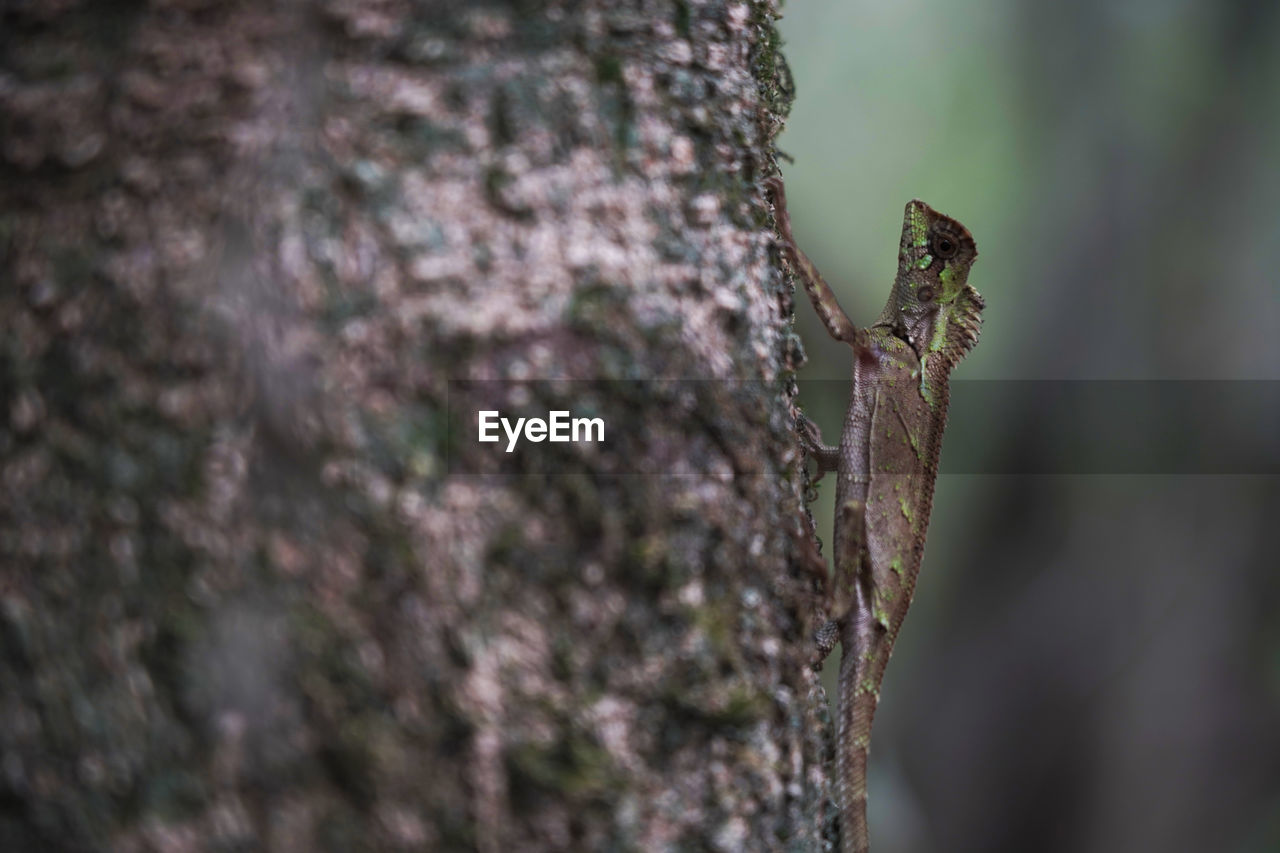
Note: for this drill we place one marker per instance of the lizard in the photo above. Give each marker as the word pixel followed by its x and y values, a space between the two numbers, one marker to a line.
pixel 885 463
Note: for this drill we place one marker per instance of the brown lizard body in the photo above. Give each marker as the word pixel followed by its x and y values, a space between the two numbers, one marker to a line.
pixel 885 464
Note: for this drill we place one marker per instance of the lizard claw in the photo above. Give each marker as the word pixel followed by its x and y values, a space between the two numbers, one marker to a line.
pixel 810 436
pixel 811 440
pixel 785 241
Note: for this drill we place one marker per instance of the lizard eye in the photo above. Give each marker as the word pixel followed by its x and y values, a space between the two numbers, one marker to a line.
pixel 925 293
pixel 945 246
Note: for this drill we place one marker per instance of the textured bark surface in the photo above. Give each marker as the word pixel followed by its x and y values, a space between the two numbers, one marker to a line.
pixel 244 604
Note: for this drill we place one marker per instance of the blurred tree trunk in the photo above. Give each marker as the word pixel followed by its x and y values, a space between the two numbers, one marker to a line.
pixel 248 600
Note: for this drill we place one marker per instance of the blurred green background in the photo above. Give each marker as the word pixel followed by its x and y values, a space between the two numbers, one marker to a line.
pixel 1092 662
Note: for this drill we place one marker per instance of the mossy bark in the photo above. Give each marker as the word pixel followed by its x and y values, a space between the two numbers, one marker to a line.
pixel 246 599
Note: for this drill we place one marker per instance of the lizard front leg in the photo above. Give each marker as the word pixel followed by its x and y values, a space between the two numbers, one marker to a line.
pixel 824 299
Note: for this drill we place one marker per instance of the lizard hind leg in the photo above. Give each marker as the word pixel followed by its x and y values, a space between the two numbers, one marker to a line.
pixel 850 551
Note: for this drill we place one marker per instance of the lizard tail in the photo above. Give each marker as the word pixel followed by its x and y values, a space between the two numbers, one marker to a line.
pixel 857 708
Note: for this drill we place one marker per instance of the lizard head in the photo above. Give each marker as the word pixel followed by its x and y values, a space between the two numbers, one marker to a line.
pixel 932 306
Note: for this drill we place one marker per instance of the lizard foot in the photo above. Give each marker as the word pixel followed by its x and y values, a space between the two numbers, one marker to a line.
pixel 824 640
pixel 825 456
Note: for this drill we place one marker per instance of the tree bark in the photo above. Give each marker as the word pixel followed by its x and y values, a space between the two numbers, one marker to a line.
pixel 253 593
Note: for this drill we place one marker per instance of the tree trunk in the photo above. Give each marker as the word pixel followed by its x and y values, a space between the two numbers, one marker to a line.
pixel 256 590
